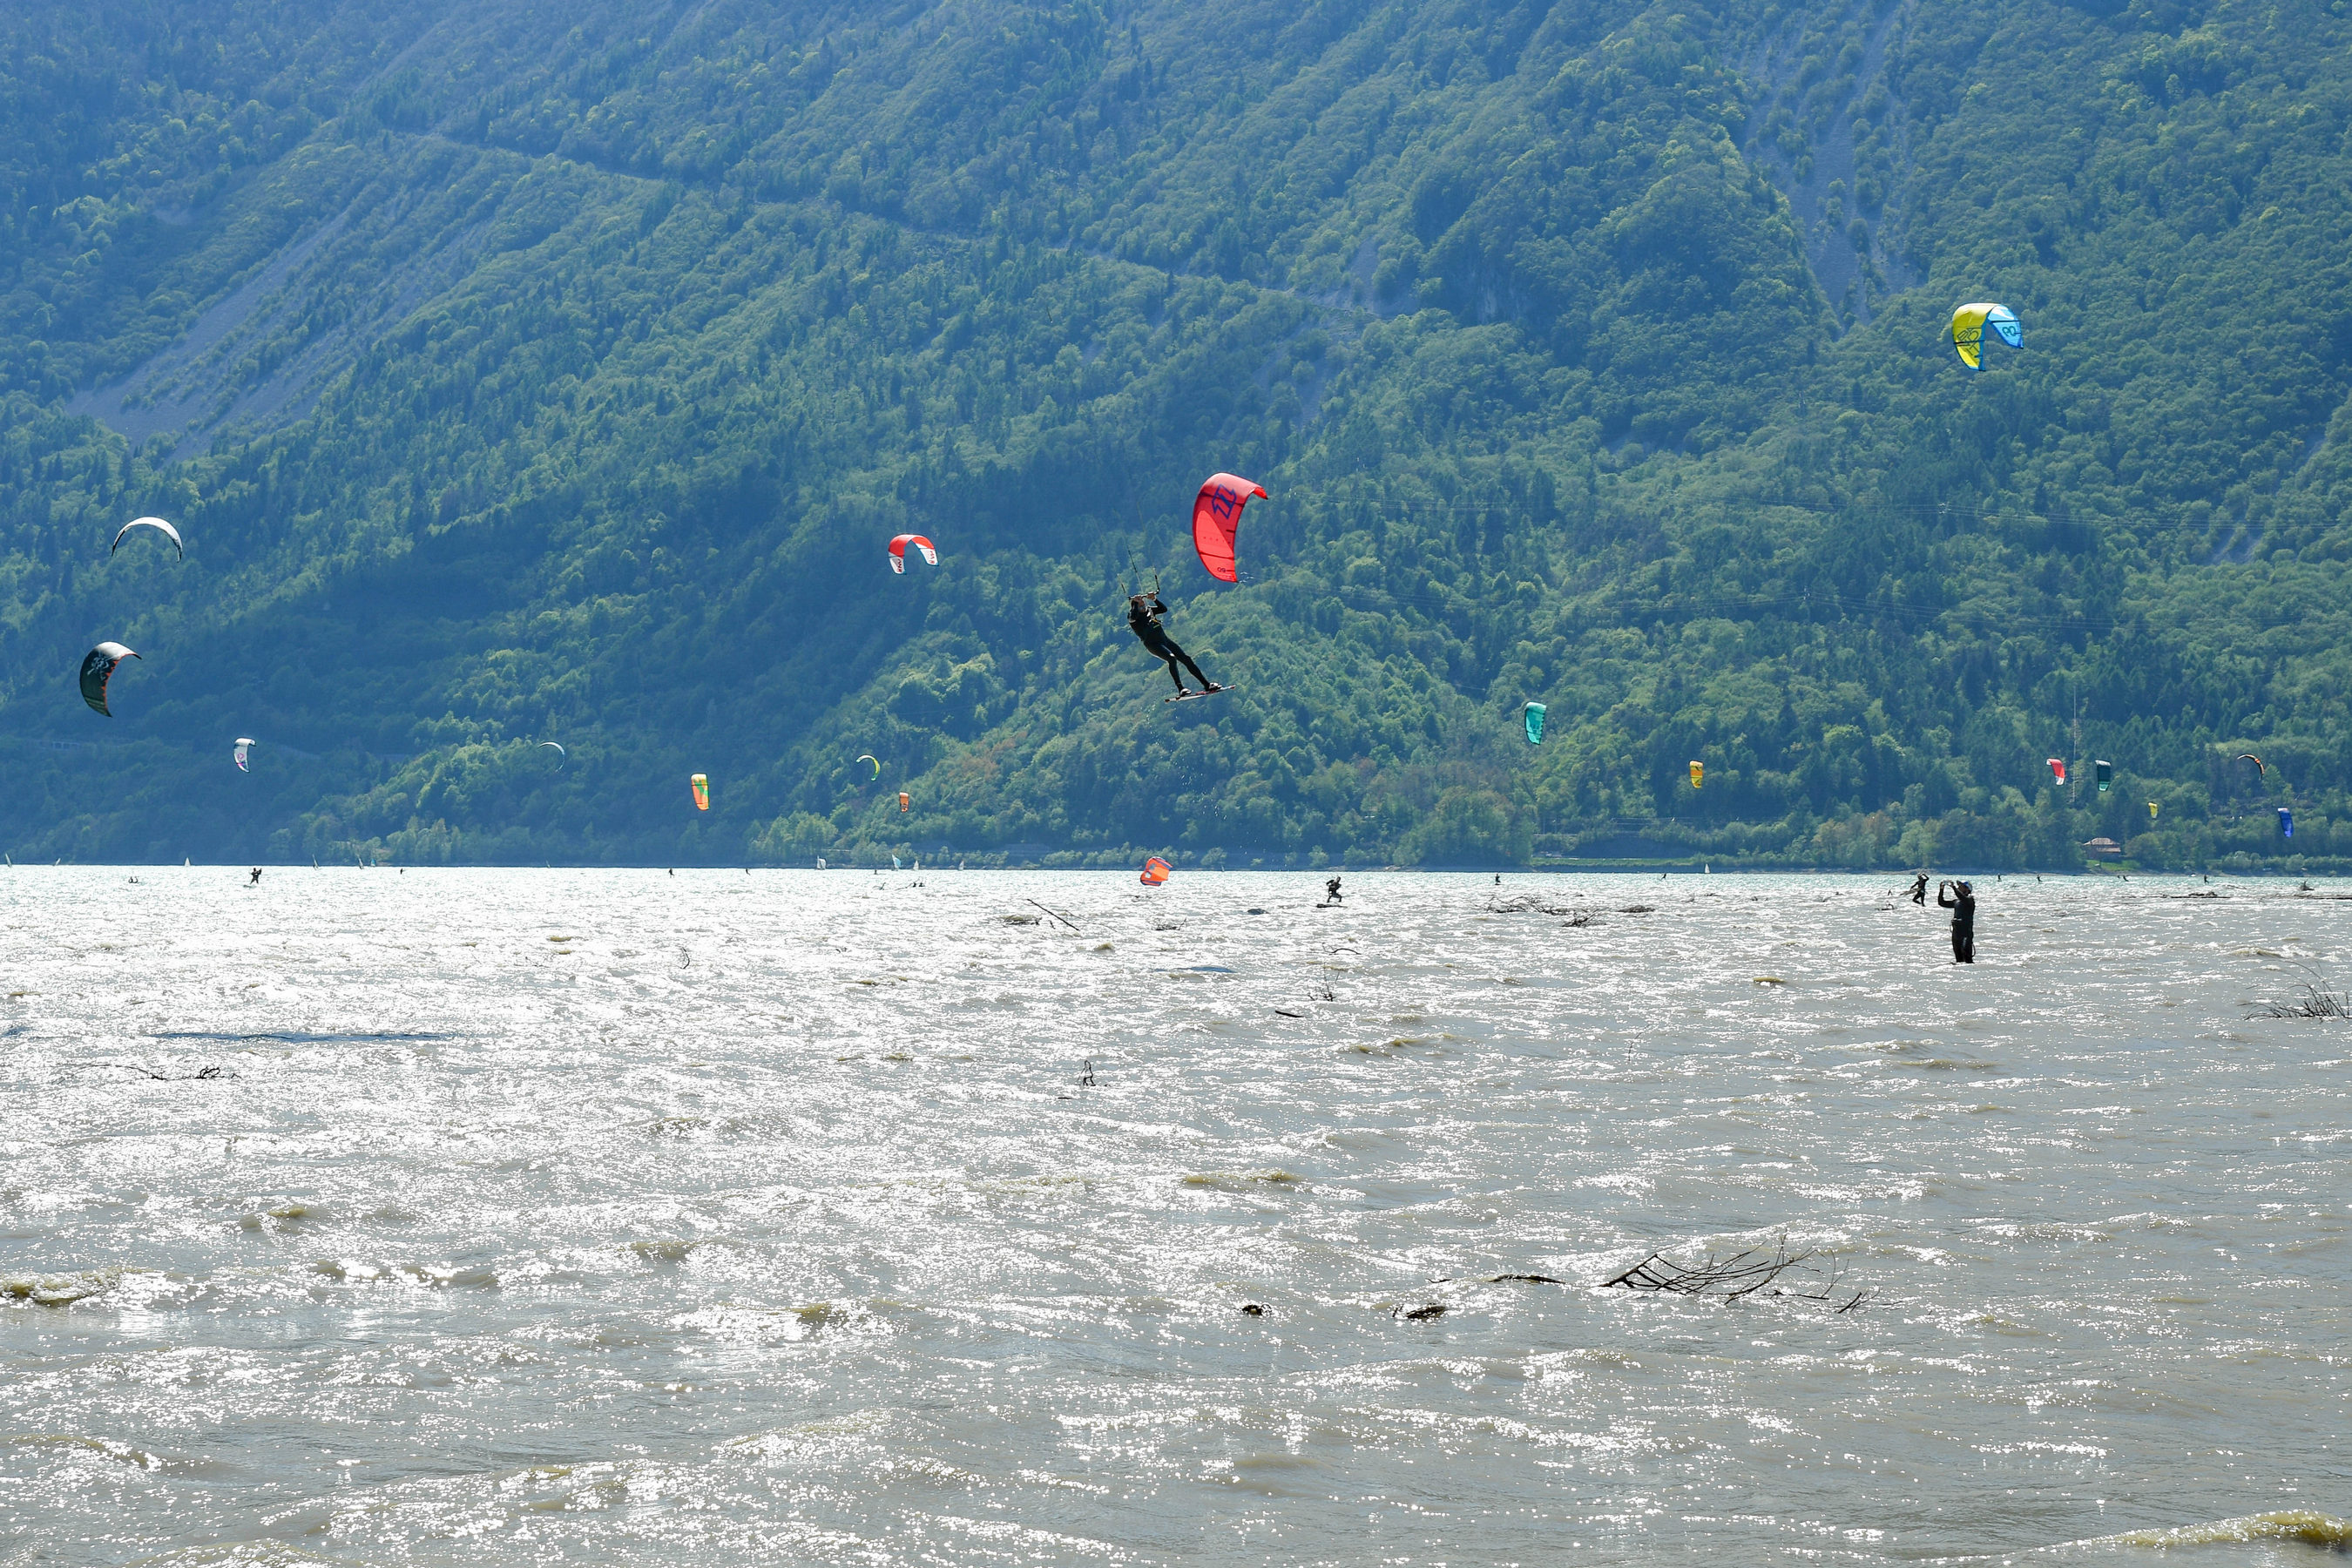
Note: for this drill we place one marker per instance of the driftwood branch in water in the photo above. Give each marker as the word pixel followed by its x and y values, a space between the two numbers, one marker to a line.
pixel 1739 1275
pixel 209 1072
pixel 1064 919
pixel 2313 1003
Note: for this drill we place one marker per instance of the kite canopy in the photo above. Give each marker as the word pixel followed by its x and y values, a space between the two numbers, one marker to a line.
pixel 154 522
pixel 1535 716
pixel 2286 822
pixel 2104 772
pixel 1156 872
pixel 1970 324
pixel 98 668
pixel 2058 769
pixel 702 782
pixel 2260 771
pixel 899 551
pixel 1698 774
pixel 870 757
pixel 1217 517
pixel 904 804
pixel 559 750
pixel 2151 811
pixel 242 743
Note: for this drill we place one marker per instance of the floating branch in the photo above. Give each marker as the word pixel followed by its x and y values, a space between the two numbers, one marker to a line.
pixel 1064 919
pixel 1736 1275
pixel 2313 1003
pixel 209 1072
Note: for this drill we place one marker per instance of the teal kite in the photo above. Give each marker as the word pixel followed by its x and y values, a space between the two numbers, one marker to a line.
pixel 1535 723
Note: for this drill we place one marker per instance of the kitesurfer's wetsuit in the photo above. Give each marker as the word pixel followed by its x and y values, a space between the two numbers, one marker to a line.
pixel 1331 889
pixel 1919 890
pixel 1143 619
pixel 1961 899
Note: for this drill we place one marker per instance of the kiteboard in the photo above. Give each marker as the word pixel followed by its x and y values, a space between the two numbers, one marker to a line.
pixel 1191 696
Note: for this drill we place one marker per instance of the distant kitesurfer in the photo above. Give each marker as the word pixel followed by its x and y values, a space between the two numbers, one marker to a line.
pixel 257 878
pixel 1143 613
pixel 1331 891
pixel 1961 899
pixel 1919 890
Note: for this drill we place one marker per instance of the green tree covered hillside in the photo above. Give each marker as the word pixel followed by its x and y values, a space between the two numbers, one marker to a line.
pixel 521 372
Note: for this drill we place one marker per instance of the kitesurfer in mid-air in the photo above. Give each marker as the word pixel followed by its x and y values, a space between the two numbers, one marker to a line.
pixel 1961 899
pixel 1143 613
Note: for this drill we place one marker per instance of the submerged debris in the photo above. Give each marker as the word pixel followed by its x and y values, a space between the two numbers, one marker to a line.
pixel 1530 904
pixel 201 1073
pixel 2313 1003
pixel 1739 1275
pixel 1063 917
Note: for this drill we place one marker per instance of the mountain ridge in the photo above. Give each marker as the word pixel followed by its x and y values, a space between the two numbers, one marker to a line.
pixel 1537 362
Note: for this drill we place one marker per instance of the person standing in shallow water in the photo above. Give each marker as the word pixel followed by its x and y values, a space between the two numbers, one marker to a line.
pixel 1919 890
pixel 1961 899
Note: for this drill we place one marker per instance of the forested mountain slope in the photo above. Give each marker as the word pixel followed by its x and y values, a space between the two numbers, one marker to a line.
pixel 524 372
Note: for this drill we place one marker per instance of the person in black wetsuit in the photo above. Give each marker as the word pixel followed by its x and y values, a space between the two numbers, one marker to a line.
pixel 1331 891
pixel 1961 899
pixel 1143 613
pixel 1919 890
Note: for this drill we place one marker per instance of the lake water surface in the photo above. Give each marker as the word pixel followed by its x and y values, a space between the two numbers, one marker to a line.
pixel 619 1217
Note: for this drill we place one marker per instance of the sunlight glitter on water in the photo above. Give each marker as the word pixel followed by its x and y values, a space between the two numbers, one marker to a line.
pixel 614 1216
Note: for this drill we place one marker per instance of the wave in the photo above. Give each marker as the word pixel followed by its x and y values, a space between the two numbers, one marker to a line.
pixel 299 1037
pixel 56 1289
pixel 2303 1527
pixel 1239 1181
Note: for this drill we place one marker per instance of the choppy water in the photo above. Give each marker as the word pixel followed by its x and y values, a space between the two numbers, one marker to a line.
pixel 617 1217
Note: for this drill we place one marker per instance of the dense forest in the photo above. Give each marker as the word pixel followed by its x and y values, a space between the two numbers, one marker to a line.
pixel 522 374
